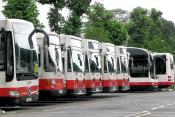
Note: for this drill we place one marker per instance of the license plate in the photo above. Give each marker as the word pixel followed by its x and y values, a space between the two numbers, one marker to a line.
pixel 97 89
pixel 114 88
pixel 28 99
pixel 60 91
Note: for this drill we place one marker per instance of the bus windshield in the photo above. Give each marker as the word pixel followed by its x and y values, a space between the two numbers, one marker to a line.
pixel 111 64
pixel 78 61
pixel 138 66
pixel 95 64
pixel 53 59
pixel 26 58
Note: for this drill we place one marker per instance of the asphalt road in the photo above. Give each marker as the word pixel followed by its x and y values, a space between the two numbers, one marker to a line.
pixel 132 104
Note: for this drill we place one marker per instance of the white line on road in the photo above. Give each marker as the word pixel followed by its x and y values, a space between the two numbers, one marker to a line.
pixel 162 106
pixel 169 104
pixel 155 108
pixel 148 113
pixel 90 103
pixel 139 114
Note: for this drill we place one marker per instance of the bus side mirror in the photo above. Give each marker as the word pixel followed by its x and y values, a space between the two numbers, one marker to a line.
pixel 38 31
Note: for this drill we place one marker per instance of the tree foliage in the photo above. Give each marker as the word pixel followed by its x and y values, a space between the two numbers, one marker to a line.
pixel 73 24
pixel 149 30
pixel 22 9
pixel 103 26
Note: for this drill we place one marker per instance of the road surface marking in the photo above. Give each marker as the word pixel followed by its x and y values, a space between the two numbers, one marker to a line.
pixel 169 104
pixel 162 106
pixel 155 108
pixel 94 102
pixel 139 114
pixel 147 113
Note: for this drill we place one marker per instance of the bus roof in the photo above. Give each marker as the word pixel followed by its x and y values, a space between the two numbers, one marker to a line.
pixel 137 51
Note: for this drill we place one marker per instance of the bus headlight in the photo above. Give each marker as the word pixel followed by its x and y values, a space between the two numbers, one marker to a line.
pixel 14 93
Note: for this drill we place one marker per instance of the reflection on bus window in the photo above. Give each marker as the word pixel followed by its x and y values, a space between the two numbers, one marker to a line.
pixel 105 65
pixel 94 63
pixel 78 61
pixel 69 67
pixel 124 65
pixel 111 64
pixel 25 61
pixel 86 63
pixel 53 61
pixel 139 67
pixel 10 61
pixel 49 65
pixel 118 65
pixel 161 65
pixel 26 58
pixel 171 63
pixel 2 64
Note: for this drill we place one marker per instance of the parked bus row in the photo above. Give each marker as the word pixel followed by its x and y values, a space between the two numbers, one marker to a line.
pixel 37 64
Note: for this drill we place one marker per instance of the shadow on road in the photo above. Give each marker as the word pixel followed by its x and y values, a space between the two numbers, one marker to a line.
pixel 60 101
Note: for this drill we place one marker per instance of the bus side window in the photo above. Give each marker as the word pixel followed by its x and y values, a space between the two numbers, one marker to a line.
pixel 69 67
pixel 10 61
pixel 2 62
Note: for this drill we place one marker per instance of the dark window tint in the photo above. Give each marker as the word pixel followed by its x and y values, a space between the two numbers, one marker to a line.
pixel 118 65
pixel 138 66
pixel 69 67
pixel 86 64
pixel 26 61
pixel 49 65
pixel 10 59
pixel 161 65
pixel 105 65
pixel 2 56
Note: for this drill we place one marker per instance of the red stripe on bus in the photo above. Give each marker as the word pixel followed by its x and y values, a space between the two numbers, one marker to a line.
pixel 109 83
pixel 24 91
pixel 75 84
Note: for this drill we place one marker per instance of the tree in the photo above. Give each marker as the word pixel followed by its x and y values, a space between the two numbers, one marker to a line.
pixel 116 32
pixel 149 30
pixel 22 9
pixel 139 27
pixel 103 26
pixel 159 45
pixel 73 24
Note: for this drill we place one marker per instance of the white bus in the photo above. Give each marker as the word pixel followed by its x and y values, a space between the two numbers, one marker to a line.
pixel 92 66
pixel 164 69
pixel 122 65
pixel 141 69
pixel 109 77
pixel 74 64
pixel 18 62
pixel 51 74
